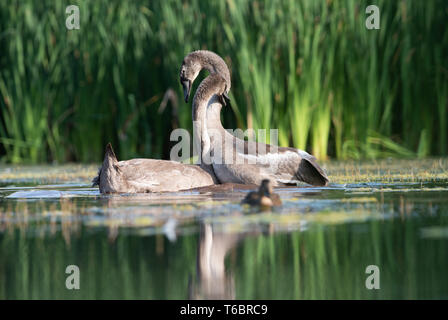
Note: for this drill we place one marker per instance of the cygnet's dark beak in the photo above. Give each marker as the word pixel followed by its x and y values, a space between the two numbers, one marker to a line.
pixel 186 85
pixel 224 99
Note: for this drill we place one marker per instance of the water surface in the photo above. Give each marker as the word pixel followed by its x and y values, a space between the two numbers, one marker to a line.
pixel 199 245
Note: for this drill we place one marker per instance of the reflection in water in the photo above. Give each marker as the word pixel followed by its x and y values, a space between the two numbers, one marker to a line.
pixel 206 246
pixel 326 261
pixel 212 280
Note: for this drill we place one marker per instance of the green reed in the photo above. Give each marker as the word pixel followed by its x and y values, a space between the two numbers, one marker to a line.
pixel 308 68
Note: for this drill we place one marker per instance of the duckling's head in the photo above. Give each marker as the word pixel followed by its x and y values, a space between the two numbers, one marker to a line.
pixel 189 70
pixel 266 188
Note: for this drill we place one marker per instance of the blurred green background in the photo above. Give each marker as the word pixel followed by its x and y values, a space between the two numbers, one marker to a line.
pixel 309 68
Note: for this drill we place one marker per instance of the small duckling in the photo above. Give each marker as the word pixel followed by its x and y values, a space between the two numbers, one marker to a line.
pixel 264 197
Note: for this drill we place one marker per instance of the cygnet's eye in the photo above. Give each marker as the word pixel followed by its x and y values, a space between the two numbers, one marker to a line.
pixel 183 76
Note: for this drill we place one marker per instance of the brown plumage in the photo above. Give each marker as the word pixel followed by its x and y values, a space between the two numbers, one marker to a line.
pixel 252 161
pixel 194 62
pixel 264 197
pixel 148 175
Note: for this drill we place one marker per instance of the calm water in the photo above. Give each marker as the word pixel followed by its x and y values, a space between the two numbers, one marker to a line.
pixel 199 245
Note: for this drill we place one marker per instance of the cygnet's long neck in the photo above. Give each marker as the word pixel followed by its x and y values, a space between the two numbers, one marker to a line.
pixel 213 63
pixel 213 115
pixel 204 98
